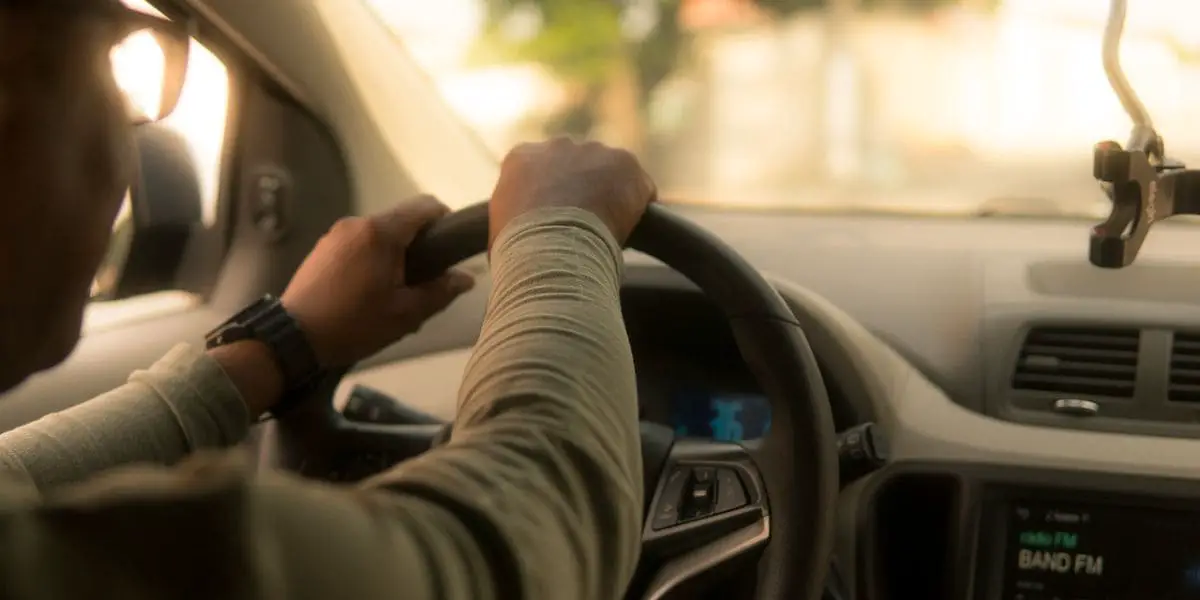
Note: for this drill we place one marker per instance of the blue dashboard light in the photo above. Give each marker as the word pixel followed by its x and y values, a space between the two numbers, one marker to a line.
pixel 727 425
pixel 725 417
pixel 1191 576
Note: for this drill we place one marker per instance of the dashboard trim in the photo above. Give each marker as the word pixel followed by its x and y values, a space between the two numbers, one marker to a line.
pixel 925 425
pixel 706 558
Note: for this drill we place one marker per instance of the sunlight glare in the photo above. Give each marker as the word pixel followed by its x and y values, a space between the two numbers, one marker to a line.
pixel 200 117
pixel 138 67
pixel 138 64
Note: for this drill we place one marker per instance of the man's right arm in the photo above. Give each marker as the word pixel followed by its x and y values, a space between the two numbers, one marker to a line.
pixel 548 405
pixel 537 495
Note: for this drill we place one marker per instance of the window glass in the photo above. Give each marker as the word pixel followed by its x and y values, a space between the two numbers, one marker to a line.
pixel 963 107
pixel 199 118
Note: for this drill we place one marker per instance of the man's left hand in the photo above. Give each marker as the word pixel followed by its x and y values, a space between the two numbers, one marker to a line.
pixel 350 295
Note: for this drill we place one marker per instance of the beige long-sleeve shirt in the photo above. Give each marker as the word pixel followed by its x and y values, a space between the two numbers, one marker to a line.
pixel 538 493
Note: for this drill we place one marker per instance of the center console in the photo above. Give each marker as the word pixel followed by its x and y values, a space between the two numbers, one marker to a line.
pixel 1001 533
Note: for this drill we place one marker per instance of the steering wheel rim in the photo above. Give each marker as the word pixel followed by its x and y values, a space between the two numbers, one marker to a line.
pixel 790 474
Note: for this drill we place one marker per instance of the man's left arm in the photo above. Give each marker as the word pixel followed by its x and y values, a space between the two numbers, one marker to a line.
pixel 189 400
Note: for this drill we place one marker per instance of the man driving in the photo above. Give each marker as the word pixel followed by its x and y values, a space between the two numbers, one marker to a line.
pixel 538 493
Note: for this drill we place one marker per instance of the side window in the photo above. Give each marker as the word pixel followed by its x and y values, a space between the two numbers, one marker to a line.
pixel 197 127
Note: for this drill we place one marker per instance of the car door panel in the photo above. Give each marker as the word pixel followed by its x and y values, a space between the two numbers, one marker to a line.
pixel 275 137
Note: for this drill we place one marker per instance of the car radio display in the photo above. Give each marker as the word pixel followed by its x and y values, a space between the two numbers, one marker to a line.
pixel 1097 552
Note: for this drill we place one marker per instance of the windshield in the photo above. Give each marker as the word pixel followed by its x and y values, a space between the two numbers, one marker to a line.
pixel 972 107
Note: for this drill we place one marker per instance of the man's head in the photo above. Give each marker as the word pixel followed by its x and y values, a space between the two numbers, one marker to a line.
pixel 66 161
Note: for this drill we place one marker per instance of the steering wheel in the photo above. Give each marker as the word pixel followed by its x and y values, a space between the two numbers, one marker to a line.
pixel 770 499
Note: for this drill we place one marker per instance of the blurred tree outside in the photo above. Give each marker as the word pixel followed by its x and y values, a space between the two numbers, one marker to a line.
pixel 610 55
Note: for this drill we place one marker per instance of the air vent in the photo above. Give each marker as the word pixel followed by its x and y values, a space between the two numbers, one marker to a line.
pixel 1185 368
pixel 1079 360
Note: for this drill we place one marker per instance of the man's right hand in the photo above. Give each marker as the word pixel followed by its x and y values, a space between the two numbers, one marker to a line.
pixel 607 182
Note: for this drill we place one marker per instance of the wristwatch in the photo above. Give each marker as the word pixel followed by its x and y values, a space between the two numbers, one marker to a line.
pixel 266 320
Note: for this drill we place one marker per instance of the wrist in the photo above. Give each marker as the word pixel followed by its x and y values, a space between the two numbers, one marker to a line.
pixel 266 354
pixel 251 366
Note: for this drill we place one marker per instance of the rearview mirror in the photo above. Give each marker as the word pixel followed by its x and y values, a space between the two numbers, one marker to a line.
pixel 165 209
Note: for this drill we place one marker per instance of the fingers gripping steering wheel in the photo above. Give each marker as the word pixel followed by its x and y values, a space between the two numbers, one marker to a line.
pixel 775 495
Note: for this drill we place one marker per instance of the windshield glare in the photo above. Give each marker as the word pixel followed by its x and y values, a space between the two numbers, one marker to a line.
pixel 970 107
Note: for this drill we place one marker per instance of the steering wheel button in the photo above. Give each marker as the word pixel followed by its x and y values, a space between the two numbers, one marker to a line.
pixel 666 512
pixel 667 515
pixel 702 474
pixel 700 500
pixel 730 493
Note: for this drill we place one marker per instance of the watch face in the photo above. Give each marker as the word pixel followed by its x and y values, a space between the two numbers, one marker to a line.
pixel 226 335
pixel 256 307
pixel 237 328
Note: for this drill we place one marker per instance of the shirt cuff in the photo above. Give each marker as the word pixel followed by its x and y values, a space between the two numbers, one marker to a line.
pixel 587 225
pixel 206 403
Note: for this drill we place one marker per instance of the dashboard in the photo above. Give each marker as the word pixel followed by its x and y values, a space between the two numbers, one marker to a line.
pixel 918 325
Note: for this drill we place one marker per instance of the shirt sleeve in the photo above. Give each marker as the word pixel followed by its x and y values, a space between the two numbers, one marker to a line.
pixel 182 404
pixel 537 494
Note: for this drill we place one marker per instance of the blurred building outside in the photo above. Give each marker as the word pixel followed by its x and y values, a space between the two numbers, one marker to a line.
pixel 941 111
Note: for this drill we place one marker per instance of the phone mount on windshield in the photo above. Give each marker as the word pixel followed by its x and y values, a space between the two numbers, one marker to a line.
pixel 1143 185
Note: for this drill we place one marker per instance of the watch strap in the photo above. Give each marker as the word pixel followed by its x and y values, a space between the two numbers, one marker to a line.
pixel 290 346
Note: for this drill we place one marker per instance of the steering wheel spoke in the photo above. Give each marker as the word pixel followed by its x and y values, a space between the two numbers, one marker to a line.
pixel 708 509
pixel 322 444
pixel 359 450
pixel 402 441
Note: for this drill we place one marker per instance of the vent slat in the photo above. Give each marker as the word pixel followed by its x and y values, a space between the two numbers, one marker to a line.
pixel 1049 364
pixel 1074 385
pixel 1079 360
pixel 1185 361
pixel 1184 375
pixel 1084 340
pixel 1184 382
pixel 1115 356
